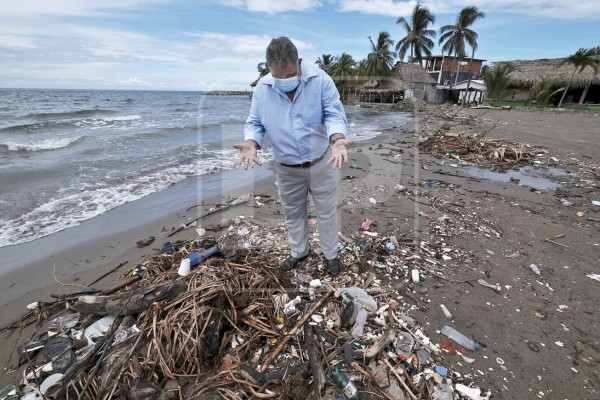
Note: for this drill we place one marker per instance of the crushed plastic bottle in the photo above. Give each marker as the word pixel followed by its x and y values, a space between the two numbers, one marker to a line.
pixel 442 392
pixel 197 258
pixel 364 303
pixel 459 338
pixel 535 269
pixel 290 307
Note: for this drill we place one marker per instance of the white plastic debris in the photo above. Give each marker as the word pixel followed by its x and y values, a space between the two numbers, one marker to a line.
pixel 98 328
pixel 595 277
pixel 290 307
pixel 496 287
pixel 201 232
pixel 471 393
pixel 315 283
pixel 400 188
pixel 446 311
pixel 415 275
pixel 535 269
pixel 372 200
pixel 32 306
pixel 49 385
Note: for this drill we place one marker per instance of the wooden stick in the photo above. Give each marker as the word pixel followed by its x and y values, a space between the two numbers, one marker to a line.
pixel 410 393
pixel 121 285
pixel 108 273
pixel 556 243
pixel 294 330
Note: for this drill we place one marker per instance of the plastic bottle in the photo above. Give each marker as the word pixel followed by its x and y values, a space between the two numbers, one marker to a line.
pixel 460 338
pixel 361 319
pixel 350 391
pixel 197 258
pixel 442 392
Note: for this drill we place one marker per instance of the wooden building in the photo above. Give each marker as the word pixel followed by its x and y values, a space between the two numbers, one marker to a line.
pixel 443 69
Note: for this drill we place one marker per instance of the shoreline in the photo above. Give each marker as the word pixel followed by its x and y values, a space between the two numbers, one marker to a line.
pixel 79 254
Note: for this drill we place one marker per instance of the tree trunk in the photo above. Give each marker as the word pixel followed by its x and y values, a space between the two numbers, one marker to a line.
pixel 456 58
pixel 469 81
pixel 410 72
pixel 582 99
pixel 562 98
pixel 459 60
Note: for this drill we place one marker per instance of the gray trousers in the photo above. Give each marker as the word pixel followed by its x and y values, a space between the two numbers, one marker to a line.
pixel 294 184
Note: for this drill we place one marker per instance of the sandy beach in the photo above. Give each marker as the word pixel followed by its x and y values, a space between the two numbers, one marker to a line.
pixel 539 332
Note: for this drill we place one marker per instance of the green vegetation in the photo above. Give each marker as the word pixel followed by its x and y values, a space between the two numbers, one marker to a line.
pixel 381 58
pixel 582 59
pixel 418 37
pixel 545 90
pixel 456 37
pixel 497 79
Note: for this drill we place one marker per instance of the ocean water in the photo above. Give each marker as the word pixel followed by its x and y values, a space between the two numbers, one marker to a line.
pixel 70 155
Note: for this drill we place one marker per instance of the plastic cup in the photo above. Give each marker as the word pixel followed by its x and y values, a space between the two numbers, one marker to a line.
pixel 415 275
pixel 184 268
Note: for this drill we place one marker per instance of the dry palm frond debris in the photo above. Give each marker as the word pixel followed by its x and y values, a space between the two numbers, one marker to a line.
pixel 227 330
pixel 495 153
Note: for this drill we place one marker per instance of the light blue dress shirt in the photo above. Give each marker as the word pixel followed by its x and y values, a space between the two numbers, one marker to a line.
pixel 299 130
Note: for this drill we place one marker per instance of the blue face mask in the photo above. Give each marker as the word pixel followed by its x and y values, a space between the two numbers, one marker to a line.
pixel 287 84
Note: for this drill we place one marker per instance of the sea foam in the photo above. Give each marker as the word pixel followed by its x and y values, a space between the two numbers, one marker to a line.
pixel 47 144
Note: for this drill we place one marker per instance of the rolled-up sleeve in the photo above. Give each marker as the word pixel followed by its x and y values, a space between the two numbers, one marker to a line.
pixel 254 129
pixel 333 110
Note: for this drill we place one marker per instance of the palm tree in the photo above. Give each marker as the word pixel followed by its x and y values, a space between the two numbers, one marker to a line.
pixel 497 79
pixel 343 72
pixel 456 37
pixel 417 36
pixel 263 69
pixel 325 62
pixel 582 59
pixel 381 58
pixel 544 91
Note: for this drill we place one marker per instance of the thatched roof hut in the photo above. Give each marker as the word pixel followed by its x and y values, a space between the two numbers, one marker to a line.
pixel 405 79
pixel 528 72
pixel 400 79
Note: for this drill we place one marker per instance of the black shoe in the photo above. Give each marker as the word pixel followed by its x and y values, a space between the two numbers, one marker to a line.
pixel 292 262
pixel 333 267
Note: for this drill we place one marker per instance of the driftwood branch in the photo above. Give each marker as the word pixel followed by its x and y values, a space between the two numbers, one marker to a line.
pixel 132 302
pixel 294 330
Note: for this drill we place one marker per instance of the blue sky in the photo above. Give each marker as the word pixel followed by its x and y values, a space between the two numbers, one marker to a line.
pixel 216 44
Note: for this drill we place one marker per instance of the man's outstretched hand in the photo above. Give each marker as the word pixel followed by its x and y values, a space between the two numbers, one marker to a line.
pixel 339 153
pixel 248 154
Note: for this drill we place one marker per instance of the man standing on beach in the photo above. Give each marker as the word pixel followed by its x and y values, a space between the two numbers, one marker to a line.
pixel 299 107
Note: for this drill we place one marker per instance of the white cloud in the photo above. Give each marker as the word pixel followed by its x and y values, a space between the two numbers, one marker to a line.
pixel 10 41
pixel 214 44
pixel 27 8
pixel 111 43
pixel 581 9
pixel 273 6
pixel 380 7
